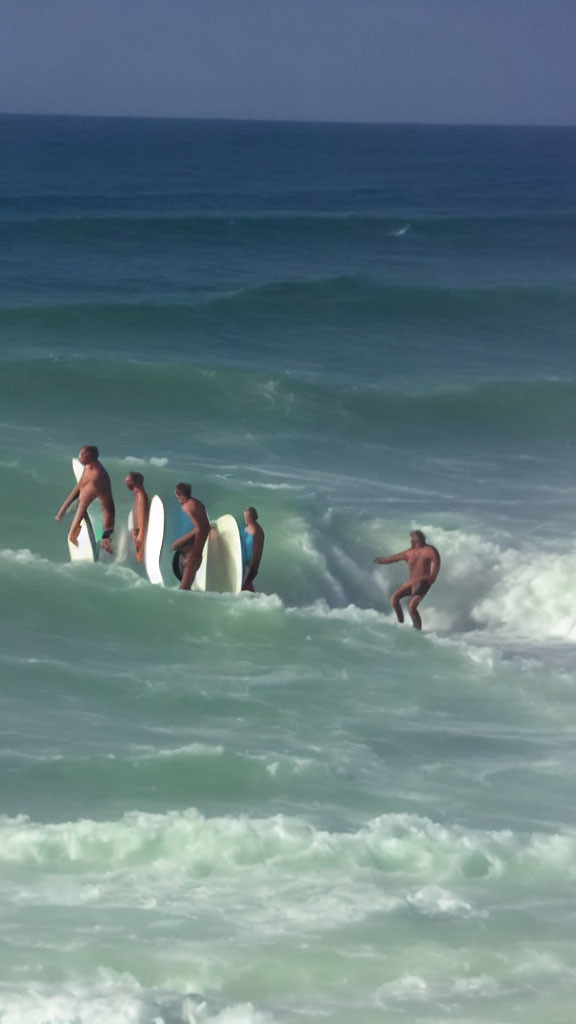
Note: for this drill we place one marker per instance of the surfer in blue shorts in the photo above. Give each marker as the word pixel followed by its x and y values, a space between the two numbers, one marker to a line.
pixel 191 545
pixel 423 563
pixel 252 538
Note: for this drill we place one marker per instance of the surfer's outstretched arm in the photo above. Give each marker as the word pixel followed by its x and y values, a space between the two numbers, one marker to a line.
pixel 69 500
pixel 402 556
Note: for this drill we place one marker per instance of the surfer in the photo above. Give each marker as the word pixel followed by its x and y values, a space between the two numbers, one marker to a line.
pixel 423 567
pixel 135 483
pixel 252 547
pixel 94 483
pixel 191 545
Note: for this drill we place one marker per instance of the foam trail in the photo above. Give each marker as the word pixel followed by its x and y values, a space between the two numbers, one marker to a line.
pixel 399 232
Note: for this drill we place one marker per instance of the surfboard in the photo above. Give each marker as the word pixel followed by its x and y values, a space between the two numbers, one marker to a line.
pixel 221 568
pixel 224 562
pixel 155 541
pixel 87 548
pixel 166 522
pixel 126 547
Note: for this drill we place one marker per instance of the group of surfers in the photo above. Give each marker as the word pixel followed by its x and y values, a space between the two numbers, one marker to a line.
pixel 94 483
pixel 422 559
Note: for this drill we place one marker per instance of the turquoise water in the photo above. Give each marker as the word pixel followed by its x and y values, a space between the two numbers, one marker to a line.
pixel 238 810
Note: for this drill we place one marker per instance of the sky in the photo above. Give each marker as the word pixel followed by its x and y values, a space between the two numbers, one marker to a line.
pixel 437 61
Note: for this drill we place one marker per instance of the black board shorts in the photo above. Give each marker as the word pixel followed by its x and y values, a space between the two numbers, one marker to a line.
pixel 421 589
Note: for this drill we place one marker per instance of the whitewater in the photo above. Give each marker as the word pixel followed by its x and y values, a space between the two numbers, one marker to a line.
pixel 224 809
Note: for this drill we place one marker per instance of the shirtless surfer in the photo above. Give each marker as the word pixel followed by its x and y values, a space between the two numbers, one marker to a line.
pixel 191 545
pixel 94 483
pixel 252 547
pixel 423 563
pixel 135 483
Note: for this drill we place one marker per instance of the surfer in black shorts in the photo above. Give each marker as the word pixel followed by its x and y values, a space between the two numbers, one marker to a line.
pixel 423 563
pixel 421 589
pixel 94 483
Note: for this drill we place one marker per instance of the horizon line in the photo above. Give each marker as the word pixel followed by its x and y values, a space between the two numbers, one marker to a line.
pixel 287 121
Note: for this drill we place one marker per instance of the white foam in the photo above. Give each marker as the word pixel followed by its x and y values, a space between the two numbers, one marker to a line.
pixel 410 987
pixel 273 487
pixel 190 750
pixel 254 604
pixel 423 851
pixel 351 613
pixel 434 901
pixel 115 998
pixel 136 460
pixel 535 596
pixel 31 560
pixel 415 988
pixel 473 647
pixel 515 591
pixel 290 765
pixel 23 556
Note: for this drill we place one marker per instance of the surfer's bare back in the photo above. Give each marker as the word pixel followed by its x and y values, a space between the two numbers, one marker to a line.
pixel 94 483
pixel 423 563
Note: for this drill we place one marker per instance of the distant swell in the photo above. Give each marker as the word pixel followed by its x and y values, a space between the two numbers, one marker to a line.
pixel 40 390
pixel 329 301
pixel 82 219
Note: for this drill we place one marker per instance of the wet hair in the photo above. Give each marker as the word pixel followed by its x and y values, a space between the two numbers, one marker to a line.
pixel 92 449
pixel 252 511
pixel 136 479
pixel 184 489
pixel 419 534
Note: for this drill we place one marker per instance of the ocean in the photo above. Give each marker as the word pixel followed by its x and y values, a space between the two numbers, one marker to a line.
pixel 222 809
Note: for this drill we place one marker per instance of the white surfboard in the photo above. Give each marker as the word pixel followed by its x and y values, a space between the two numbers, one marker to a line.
pixel 87 548
pixel 224 562
pixel 221 568
pixel 200 577
pixel 154 541
pixel 166 522
pixel 125 546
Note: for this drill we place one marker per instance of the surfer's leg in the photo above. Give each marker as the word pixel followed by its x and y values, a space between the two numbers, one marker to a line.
pixel 397 596
pixel 248 583
pixel 419 592
pixel 106 541
pixel 108 522
pixel 191 565
pixel 414 614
